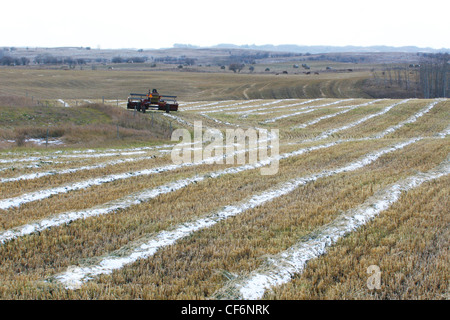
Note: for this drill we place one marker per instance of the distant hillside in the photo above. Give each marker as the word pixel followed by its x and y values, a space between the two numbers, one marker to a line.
pixel 331 49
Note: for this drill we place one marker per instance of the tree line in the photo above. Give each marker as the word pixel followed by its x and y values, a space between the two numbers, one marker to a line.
pixel 10 61
pixel 50 59
pixel 427 79
pixel 434 76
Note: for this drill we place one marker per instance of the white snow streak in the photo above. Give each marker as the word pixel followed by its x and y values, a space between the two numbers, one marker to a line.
pixel 328 133
pixel 37 175
pixel 304 125
pixel 304 110
pixel 65 104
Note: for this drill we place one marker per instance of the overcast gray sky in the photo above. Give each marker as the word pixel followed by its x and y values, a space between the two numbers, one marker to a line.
pixel 159 24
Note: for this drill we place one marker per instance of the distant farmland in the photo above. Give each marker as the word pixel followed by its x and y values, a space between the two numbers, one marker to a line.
pixel 189 86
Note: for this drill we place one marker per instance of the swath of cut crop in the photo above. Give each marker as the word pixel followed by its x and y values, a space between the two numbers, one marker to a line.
pixel 240 107
pixel 305 110
pixel 273 109
pixel 140 197
pixel 350 108
pixel 411 119
pixel 75 276
pixel 281 268
pixel 357 122
pixel 37 175
pixel 43 194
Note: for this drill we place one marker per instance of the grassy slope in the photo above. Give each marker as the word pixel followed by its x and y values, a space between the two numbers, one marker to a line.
pixel 85 126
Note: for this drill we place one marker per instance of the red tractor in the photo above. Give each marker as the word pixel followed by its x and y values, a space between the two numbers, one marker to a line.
pixel 142 102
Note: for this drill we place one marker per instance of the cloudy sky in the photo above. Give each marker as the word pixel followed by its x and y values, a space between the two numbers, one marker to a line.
pixel 160 24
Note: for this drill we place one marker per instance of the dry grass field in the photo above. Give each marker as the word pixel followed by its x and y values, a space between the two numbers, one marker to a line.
pixel 361 182
pixel 115 84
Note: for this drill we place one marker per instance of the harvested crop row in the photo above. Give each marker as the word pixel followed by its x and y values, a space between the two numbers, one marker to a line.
pixel 280 269
pixel 213 105
pixel 408 243
pixel 336 132
pixel 304 110
pixel 335 114
pixel 310 161
pixel 92 237
pixel 108 264
pixel 182 252
pixel 240 107
pixel 20 191
pixel 273 108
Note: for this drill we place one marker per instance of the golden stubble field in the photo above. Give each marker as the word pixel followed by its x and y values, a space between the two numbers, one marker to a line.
pixel 361 182
pixel 44 84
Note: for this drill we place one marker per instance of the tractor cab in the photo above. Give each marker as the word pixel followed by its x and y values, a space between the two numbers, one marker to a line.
pixel 154 96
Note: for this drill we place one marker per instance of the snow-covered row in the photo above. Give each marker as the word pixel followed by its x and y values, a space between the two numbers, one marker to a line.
pixel 178 119
pixel 46 193
pixel 43 194
pixel 411 119
pixel 330 132
pixel 220 121
pixel 209 104
pixel 273 109
pixel 281 268
pixel 225 107
pixel 37 175
pixel 328 116
pixel 302 110
pixel 445 133
pixel 57 152
pixel 142 196
pixel 187 103
pixel 240 108
pixel 76 276
pixel 65 104
pixel 86 154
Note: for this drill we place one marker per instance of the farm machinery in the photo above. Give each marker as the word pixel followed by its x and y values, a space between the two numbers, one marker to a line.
pixel 153 100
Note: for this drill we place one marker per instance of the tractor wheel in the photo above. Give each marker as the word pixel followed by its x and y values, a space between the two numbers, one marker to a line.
pixel 167 108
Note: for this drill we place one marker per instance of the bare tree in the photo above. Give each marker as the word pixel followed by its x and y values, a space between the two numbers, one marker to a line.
pixel 434 75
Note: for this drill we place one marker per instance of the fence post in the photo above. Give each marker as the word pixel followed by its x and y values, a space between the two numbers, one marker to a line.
pixel 118 131
pixel 46 139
